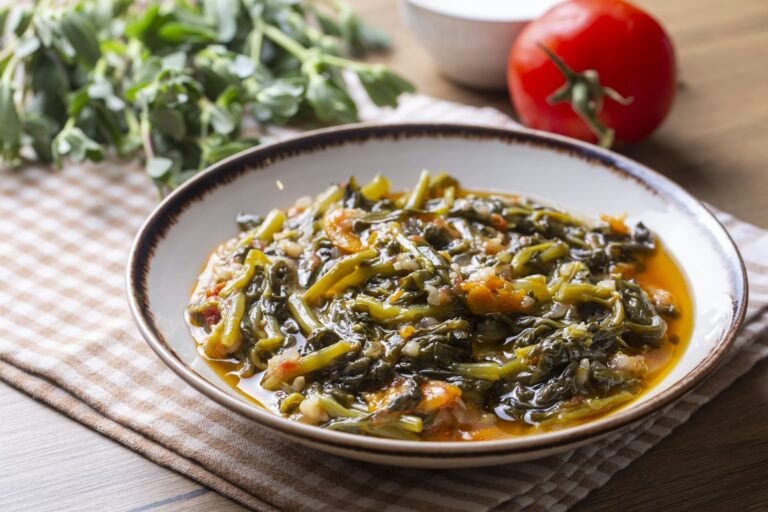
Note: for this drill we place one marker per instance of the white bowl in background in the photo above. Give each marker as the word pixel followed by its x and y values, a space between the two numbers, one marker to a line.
pixel 469 40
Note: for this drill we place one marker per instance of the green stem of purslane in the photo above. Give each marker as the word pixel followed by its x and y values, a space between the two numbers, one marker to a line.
pixel 288 44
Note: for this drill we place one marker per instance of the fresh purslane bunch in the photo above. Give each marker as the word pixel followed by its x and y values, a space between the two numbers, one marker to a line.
pixel 174 81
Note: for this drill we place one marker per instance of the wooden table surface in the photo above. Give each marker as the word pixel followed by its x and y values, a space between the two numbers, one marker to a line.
pixel 715 144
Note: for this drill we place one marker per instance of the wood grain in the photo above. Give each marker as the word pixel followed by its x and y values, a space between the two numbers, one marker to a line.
pixel 715 144
pixel 50 462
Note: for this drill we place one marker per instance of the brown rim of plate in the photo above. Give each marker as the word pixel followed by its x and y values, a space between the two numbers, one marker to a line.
pixel 165 214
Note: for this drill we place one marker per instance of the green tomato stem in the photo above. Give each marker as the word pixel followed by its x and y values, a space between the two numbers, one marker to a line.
pixel 585 93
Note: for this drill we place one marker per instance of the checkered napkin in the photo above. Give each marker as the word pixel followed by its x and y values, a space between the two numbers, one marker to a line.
pixel 67 338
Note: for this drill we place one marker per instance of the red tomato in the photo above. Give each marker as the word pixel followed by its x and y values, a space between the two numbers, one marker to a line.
pixel 627 48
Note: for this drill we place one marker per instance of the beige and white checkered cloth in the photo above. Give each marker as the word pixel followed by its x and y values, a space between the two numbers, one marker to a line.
pixel 67 338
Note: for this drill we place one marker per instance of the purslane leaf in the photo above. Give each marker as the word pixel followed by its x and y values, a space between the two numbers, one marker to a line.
pixel 222 120
pixel 27 47
pixel 222 151
pixel 73 143
pixel 242 66
pixel 81 35
pixel 360 38
pixel 169 122
pixel 158 167
pixel 19 20
pixel 40 130
pixel 330 103
pixel 178 33
pixel 383 86
pixel 224 14
pixel 279 100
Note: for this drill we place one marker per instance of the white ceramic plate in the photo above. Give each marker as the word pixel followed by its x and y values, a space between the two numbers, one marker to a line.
pixel 175 240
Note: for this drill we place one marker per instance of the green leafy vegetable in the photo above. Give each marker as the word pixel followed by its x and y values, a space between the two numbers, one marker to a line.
pixel 179 84
pixel 436 310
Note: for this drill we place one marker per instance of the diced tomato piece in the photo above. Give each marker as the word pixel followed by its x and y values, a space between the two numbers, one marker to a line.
pixel 338 226
pixel 499 222
pixel 407 331
pixel 395 296
pixel 211 316
pixel 440 222
pixel 214 292
pixel 437 395
pixel 627 270
pixel 493 296
pixel 616 223
pixel 383 397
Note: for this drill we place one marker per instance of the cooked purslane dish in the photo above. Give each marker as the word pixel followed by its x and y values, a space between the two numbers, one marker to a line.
pixel 435 314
